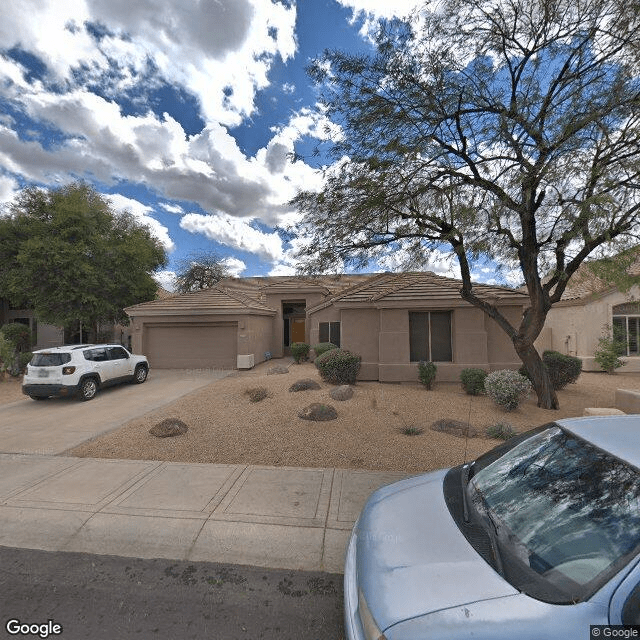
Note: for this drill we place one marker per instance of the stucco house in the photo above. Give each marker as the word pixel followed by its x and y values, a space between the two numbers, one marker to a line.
pixel 588 306
pixel 391 320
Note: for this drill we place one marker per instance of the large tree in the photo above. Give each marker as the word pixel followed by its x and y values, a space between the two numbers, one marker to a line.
pixel 507 129
pixel 68 256
pixel 200 270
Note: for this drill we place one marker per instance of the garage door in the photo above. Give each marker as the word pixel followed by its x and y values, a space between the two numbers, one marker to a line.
pixel 188 346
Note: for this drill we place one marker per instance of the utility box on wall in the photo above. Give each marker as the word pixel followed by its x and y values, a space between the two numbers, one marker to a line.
pixel 246 362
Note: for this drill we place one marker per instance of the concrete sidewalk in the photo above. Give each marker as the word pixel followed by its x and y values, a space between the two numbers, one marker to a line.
pixel 291 518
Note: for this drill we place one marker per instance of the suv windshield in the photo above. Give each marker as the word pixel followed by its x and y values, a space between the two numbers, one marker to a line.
pixel 566 515
pixel 49 359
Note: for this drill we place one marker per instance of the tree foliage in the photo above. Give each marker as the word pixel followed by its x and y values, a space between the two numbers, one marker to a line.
pixel 200 271
pixel 508 129
pixel 66 255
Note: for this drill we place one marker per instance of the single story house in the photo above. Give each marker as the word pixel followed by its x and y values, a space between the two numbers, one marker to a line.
pixel 391 320
pixel 587 309
pixel 48 335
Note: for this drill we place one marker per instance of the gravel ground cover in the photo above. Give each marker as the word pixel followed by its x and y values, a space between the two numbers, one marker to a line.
pixel 226 426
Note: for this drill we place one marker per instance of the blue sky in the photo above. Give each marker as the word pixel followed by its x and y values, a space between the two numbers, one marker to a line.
pixel 184 112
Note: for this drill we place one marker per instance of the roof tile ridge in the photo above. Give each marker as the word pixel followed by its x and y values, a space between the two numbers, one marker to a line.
pixel 398 282
pixel 354 288
pixel 239 296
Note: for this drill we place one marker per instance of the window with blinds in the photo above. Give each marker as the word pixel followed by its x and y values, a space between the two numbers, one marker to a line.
pixel 430 336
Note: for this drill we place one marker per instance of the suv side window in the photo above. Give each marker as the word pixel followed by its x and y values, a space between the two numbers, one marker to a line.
pixel 117 353
pixel 96 355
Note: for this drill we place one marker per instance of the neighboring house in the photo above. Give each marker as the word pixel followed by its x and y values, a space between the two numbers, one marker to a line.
pixel 48 335
pixel 588 306
pixel 391 320
pixel 44 335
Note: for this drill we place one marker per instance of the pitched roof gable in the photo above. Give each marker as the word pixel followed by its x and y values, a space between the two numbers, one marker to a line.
pixel 216 299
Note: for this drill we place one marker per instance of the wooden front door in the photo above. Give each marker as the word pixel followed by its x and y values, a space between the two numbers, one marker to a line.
pixel 297 330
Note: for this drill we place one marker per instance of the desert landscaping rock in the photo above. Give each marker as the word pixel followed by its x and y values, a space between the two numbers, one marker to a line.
pixel 304 385
pixel 456 428
pixel 278 369
pixel 342 393
pixel 225 428
pixel 169 428
pixel 318 412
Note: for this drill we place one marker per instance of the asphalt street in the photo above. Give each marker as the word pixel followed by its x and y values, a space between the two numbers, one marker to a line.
pixel 106 597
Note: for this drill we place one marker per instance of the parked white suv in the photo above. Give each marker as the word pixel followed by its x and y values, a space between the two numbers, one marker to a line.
pixel 81 369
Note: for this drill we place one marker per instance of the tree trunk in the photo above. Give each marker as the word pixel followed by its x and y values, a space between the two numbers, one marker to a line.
pixel 547 398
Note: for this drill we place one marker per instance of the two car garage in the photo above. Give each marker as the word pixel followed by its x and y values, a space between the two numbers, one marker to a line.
pixel 191 346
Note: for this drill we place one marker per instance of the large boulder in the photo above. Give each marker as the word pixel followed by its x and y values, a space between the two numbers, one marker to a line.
pixel 169 428
pixel 341 393
pixel 318 412
pixel 304 385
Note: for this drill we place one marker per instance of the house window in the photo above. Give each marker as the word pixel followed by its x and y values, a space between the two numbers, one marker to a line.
pixel 627 330
pixel 430 336
pixel 329 332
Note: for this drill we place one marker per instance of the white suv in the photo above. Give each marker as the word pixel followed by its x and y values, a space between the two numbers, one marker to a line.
pixel 81 369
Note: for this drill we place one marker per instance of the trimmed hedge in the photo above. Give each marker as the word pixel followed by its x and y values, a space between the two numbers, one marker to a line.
pixel 473 381
pixel 562 369
pixel 338 366
pixel 300 351
pixel 323 347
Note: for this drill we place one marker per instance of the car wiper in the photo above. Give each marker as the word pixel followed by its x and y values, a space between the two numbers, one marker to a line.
pixel 465 476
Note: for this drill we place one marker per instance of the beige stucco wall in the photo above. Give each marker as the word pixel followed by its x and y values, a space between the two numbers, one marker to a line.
pixel 255 335
pixel 500 350
pixel 575 330
pixel 328 314
pixel 360 330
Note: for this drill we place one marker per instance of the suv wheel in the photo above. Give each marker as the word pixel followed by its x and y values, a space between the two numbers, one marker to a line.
pixel 140 374
pixel 39 397
pixel 88 388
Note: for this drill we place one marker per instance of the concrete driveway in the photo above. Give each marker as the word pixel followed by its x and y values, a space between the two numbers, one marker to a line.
pixel 53 426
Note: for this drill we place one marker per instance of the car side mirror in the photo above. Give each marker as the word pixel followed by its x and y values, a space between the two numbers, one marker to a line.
pixel 631 609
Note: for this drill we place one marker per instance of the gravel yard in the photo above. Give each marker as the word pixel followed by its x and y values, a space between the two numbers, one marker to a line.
pixel 226 427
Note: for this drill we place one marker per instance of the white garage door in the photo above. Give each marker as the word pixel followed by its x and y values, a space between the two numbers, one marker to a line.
pixel 188 346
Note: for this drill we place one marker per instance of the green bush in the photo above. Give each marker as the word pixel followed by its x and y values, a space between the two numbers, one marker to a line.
pixel 18 334
pixel 507 388
pixel 300 351
pixel 610 347
pixel 563 370
pixel 323 347
pixel 427 373
pixel 473 381
pixel 501 431
pixel 338 366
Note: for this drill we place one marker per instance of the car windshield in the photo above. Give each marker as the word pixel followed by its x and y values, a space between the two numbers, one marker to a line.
pixel 565 514
pixel 49 359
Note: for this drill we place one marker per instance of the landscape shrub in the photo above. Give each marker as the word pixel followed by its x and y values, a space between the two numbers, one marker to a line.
pixel 300 351
pixel 501 431
pixel 323 347
pixel 563 369
pixel 257 393
pixel 427 373
pixel 507 388
pixel 338 366
pixel 17 340
pixel 23 360
pixel 473 381
pixel 610 347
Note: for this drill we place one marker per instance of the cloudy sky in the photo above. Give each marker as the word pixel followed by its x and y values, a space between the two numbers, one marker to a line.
pixel 184 112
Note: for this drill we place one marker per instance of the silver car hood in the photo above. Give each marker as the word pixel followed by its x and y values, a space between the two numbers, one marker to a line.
pixel 412 559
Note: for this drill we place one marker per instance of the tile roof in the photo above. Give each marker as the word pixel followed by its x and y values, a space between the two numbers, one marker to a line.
pixel 217 299
pixel 412 286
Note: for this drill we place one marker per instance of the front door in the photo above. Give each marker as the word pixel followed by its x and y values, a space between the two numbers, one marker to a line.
pixel 297 330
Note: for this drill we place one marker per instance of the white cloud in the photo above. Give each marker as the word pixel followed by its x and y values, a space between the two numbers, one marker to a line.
pixel 205 46
pixel 234 266
pixel 171 208
pixel 235 233
pixel 142 213
pixel 370 11
pixel 166 279
pixel 8 189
